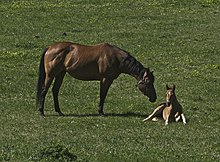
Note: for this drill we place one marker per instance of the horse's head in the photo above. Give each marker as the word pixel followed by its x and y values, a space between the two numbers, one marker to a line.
pixel 170 94
pixel 146 85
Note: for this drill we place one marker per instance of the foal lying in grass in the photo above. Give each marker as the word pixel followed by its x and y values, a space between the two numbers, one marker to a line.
pixel 170 111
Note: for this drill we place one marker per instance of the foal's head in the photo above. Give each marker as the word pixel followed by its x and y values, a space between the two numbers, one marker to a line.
pixel 146 85
pixel 170 95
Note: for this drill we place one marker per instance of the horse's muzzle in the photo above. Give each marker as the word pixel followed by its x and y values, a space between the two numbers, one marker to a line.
pixel 152 99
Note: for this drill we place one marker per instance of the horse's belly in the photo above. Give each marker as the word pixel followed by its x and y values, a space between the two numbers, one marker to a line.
pixel 91 71
pixel 85 73
pixel 84 77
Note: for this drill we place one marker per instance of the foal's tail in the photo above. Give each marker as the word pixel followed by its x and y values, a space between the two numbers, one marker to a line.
pixel 41 77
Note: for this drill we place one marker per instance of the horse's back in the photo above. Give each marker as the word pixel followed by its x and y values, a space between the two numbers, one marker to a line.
pixel 85 62
pixel 84 51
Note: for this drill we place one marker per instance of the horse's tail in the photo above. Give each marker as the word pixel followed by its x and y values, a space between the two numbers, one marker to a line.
pixel 41 77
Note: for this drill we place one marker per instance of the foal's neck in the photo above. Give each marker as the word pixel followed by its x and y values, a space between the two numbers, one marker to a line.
pixel 174 101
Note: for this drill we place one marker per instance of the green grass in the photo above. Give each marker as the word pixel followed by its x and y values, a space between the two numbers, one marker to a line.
pixel 178 39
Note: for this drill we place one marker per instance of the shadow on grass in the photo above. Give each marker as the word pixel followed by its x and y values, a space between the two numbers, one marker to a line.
pixel 128 114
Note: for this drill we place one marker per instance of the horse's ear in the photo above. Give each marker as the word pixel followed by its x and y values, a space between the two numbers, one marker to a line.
pixel 148 70
pixel 167 87
pixel 174 87
pixel 145 75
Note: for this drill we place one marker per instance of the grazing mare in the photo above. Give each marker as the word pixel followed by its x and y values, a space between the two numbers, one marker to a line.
pixel 102 62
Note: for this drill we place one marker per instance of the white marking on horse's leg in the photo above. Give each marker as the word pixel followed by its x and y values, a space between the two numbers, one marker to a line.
pixel 166 121
pixel 177 118
pixel 155 119
pixel 183 118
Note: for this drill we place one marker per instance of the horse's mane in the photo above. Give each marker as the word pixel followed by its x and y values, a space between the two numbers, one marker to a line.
pixel 131 66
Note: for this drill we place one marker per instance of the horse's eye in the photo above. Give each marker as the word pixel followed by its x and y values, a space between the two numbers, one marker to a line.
pixel 147 81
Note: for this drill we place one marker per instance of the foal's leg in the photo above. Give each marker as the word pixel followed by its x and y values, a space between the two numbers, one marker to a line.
pixel 183 118
pixel 166 121
pixel 47 83
pixel 168 117
pixel 177 117
pixel 55 90
pixel 157 112
pixel 104 86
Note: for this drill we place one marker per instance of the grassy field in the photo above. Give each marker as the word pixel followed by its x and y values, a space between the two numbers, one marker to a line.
pixel 178 39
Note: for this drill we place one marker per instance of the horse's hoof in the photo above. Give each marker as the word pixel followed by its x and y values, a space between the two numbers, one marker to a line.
pixel 101 114
pixel 42 114
pixel 61 114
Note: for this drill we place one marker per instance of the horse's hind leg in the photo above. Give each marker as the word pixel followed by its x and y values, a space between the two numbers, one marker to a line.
pixel 55 90
pixel 47 83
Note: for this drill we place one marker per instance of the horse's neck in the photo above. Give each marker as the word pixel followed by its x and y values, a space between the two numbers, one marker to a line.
pixel 129 65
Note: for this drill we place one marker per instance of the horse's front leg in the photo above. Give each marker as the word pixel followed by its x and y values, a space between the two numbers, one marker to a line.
pixel 104 86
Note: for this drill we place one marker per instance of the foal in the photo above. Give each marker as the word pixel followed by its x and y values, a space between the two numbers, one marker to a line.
pixel 170 111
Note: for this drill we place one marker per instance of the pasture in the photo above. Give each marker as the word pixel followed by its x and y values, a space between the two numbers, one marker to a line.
pixel 178 39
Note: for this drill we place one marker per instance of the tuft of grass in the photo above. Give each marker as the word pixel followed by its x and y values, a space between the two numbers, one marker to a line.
pixel 54 153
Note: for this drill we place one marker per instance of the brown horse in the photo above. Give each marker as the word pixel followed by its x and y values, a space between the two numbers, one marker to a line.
pixel 103 62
